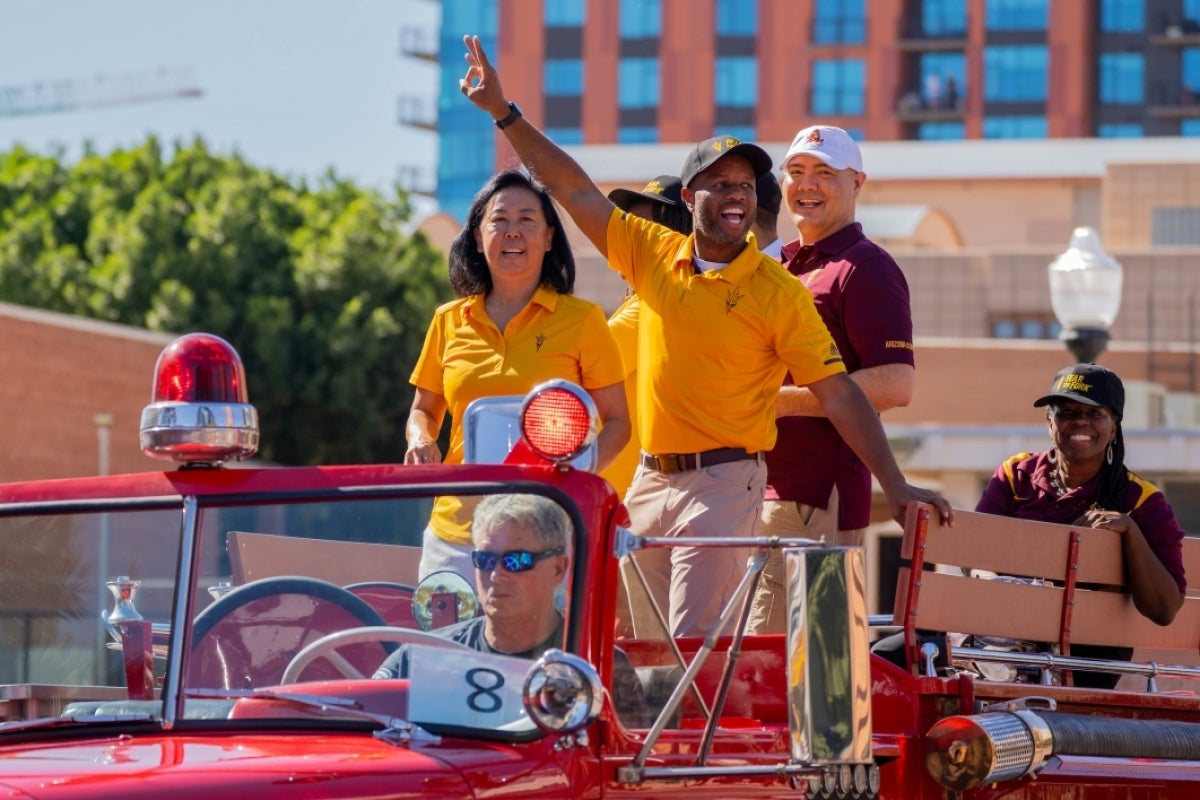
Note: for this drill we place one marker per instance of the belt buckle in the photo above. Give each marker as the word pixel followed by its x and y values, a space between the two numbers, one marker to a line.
pixel 670 463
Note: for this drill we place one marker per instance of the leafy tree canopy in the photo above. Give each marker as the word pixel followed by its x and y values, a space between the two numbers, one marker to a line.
pixel 319 289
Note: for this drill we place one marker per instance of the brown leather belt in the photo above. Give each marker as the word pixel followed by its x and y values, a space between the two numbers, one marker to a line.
pixel 683 462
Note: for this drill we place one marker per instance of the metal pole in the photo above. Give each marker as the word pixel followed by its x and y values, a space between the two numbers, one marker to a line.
pixel 104 424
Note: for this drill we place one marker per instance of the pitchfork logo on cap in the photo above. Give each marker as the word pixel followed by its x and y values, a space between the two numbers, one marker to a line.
pixel 653 187
pixel 724 144
pixel 815 137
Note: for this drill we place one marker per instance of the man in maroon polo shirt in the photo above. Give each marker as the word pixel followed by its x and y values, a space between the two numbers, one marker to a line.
pixel 816 486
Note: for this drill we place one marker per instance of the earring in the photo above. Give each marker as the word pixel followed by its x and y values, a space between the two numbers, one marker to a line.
pixel 1108 454
pixel 1052 456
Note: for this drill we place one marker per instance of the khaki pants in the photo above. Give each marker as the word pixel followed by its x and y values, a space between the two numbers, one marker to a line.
pixel 690 584
pixel 787 519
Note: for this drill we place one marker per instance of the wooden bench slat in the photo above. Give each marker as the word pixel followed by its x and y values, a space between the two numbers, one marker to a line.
pixel 1030 612
pixel 264 555
pixel 952 602
pixel 1003 545
pixel 1110 618
pixel 997 608
pixel 1191 563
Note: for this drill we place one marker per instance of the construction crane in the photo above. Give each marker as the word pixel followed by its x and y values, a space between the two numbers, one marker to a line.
pixel 100 91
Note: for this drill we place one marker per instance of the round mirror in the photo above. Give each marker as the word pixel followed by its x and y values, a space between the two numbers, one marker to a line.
pixel 442 599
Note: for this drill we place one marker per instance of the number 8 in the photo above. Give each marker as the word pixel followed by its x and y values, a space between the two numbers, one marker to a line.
pixel 487 691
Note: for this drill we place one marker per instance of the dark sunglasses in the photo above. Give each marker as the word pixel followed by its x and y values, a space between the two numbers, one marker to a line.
pixel 513 560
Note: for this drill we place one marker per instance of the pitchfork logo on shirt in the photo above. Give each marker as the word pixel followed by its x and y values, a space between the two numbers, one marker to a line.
pixel 732 298
pixel 541 340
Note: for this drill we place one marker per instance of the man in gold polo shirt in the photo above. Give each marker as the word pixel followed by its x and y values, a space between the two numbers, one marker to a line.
pixel 719 326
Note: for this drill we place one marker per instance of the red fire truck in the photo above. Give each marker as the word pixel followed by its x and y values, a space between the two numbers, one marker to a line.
pixel 212 631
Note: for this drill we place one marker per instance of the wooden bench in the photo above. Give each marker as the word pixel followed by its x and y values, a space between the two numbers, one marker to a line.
pixel 1077 604
pixel 263 555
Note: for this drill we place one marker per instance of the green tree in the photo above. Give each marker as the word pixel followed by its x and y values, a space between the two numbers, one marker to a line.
pixel 318 287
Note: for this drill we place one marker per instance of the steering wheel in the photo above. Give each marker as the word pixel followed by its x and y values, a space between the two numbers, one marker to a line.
pixel 326 647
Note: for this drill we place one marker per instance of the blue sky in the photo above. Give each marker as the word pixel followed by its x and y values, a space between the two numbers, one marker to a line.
pixel 297 86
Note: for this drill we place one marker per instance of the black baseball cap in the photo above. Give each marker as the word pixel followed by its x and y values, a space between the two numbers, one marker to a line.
pixel 710 151
pixel 664 189
pixel 1090 384
pixel 770 196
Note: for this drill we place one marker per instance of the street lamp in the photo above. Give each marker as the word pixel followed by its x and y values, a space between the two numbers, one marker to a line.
pixel 1085 292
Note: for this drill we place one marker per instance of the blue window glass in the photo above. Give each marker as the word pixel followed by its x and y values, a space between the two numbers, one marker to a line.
pixel 944 17
pixel 479 16
pixel 943 79
pixel 1031 329
pixel 941 130
pixel 1017 15
pixel 469 159
pixel 1191 14
pixel 745 133
pixel 1014 128
pixel 565 135
pixel 1004 329
pixel 844 22
pixel 1189 127
pixel 1191 72
pixel 637 83
pixel 563 77
pixel 1122 78
pixel 839 87
pixel 1015 74
pixel 737 17
pixel 736 80
pixel 1126 130
pixel 564 13
pixel 644 134
pixel 1122 16
pixel 640 19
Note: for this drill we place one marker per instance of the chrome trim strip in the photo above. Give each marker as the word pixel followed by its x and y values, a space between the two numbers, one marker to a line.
pixel 181 624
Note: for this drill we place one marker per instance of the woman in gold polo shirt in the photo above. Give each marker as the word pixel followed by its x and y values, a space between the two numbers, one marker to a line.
pixel 514 325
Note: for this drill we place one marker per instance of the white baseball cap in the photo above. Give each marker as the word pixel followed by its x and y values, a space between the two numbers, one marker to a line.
pixel 832 145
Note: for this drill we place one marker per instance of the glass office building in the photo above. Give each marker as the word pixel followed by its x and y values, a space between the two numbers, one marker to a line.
pixel 672 71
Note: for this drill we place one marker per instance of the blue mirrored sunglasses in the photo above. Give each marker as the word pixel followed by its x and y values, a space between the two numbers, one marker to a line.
pixel 512 561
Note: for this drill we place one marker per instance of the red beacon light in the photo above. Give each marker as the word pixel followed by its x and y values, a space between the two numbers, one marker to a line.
pixel 559 420
pixel 199 414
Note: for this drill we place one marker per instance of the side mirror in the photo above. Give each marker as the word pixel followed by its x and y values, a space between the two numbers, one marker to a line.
pixel 442 599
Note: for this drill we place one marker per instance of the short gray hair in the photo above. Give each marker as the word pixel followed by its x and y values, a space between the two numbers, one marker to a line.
pixel 541 514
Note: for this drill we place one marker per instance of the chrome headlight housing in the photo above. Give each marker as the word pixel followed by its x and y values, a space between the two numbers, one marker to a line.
pixel 563 693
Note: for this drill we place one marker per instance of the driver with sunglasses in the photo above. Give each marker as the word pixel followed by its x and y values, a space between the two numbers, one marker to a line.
pixel 520 558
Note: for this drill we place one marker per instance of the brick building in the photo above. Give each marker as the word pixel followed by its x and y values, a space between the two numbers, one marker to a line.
pixel 62 376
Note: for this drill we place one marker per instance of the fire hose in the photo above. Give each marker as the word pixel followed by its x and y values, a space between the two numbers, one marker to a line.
pixel 963 752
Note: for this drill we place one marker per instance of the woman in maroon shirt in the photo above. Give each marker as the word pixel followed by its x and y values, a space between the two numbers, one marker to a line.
pixel 1082 480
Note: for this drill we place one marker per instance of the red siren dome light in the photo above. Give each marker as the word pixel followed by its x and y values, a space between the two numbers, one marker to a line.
pixel 199 368
pixel 199 413
pixel 559 420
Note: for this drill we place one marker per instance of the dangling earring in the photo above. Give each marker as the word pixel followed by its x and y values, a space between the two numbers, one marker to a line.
pixel 1108 454
pixel 1052 456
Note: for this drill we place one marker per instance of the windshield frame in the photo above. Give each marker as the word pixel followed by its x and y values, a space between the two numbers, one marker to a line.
pixel 193 500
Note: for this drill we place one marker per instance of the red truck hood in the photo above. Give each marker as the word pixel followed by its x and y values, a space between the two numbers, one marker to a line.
pixel 350 765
